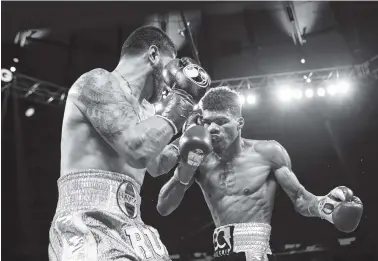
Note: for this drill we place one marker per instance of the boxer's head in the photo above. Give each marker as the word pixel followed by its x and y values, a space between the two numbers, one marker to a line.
pixel 154 49
pixel 222 116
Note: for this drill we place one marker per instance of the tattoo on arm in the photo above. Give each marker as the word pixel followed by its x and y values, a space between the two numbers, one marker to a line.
pixel 114 116
pixel 105 105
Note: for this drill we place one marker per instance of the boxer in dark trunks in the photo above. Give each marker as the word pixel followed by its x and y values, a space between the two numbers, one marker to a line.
pixel 111 135
pixel 239 178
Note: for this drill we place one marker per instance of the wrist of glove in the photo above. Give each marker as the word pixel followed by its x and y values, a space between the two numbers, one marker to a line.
pixel 176 108
pixel 184 174
pixel 341 208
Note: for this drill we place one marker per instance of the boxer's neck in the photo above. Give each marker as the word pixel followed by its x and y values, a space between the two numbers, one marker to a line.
pixel 135 72
pixel 233 151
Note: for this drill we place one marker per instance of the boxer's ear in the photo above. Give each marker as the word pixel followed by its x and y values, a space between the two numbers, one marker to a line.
pixel 240 123
pixel 153 55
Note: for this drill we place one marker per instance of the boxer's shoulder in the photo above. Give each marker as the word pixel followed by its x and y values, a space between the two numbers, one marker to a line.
pixel 273 151
pixel 99 86
pixel 93 79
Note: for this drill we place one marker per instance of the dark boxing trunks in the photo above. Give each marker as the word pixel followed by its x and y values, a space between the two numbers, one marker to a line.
pixel 242 242
pixel 98 218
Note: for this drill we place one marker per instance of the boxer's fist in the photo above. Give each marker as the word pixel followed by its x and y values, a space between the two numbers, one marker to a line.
pixel 195 145
pixel 184 74
pixel 341 208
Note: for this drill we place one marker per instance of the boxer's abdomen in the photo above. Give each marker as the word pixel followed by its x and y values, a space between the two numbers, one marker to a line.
pixel 256 207
pixel 240 192
pixel 83 148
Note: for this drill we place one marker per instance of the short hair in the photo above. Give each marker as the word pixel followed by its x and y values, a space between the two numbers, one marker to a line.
pixel 222 99
pixel 142 38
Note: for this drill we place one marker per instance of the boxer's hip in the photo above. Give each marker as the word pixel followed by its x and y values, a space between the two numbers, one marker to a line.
pixel 243 241
pixel 98 218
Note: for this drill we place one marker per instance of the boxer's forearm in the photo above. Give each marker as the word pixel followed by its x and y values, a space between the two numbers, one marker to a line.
pixel 173 192
pixel 304 201
pixel 170 196
pixel 147 139
pixel 165 161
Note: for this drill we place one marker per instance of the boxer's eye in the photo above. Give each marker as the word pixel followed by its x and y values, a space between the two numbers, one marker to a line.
pixel 221 121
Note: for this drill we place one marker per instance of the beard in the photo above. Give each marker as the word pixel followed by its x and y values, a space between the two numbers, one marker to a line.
pixel 158 84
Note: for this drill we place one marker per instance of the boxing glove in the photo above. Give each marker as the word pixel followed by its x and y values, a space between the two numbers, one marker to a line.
pixel 194 146
pixel 184 74
pixel 175 109
pixel 341 208
pixel 188 83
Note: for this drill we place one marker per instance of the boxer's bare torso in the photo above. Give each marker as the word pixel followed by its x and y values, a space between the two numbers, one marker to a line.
pixel 241 190
pixel 82 147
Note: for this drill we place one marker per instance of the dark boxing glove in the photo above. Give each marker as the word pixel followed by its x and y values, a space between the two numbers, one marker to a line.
pixel 188 83
pixel 194 145
pixel 184 74
pixel 341 208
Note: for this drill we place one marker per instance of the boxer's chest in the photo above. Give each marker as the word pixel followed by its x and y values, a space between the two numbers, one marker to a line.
pixel 242 176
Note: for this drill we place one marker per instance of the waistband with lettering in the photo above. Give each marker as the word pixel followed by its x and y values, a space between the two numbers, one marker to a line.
pixel 243 237
pixel 99 190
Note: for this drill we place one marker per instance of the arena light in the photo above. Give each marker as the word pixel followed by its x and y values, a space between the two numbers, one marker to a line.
pixel 309 93
pixel 342 86
pixel 251 99
pixel 241 99
pixel 297 94
pixel 16 60
pixel 303 60
pixel 331 89
pixel 6 75
pixel 308 80
pixel 285 94
pixel 29 112
pixel 13 69
pixel 321 92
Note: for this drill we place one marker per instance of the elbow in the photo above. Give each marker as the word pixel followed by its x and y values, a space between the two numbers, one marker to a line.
pixel 153 171
pixel 136 161
pixel 163 211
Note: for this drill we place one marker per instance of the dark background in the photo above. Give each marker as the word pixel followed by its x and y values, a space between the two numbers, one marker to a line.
pixel 331 141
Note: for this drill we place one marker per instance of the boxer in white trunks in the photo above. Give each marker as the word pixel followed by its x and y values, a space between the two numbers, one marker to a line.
pixel 111 135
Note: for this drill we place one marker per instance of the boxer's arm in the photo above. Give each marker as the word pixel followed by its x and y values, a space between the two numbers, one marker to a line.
pixel 165 161
pixel 304 201
pixel 338 207
pixel 172 193
pixel 106 106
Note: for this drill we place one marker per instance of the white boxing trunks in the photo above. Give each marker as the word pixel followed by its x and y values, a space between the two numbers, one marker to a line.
pixel 98 218
pixel 242 242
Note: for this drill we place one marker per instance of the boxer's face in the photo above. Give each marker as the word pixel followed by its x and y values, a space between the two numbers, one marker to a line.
pixel 223 127
pixel 158 84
